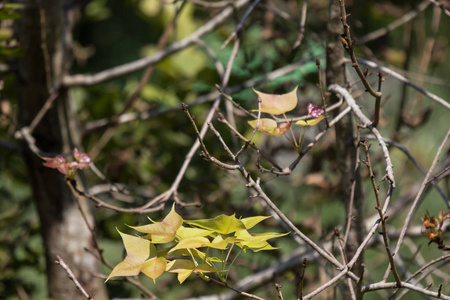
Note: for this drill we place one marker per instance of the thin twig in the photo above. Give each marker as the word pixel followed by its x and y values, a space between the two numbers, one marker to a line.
pixel 322 95
pixel 72 277
pixel 301 33
pixel 348 44
pixel 241 23
pixel 416 200
pixel 352 190
pixel 432 180
pixel 397 23
pixel 128 103
pixel 234 289
pixel 45 52
pixel 359 294
pixel 390 285
pixel 78 80
pixel 249 140
pixel 446 10
pixel 208 4
pixel 261 194
pixel 402 78
pixel 293 165
pixel 375 188
pixel 366 122
pixel 147 208
pixel 279 293
pixel 144 115
pixel 53 95
pixel 341 245
pixel 252 145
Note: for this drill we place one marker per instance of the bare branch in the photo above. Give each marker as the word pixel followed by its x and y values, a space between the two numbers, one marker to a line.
pixel 77 80
pixel 390 285
pixel 446 10
pixel 72 277
pixel 241 23
pixel 366 122
pixel 397 23
pixel 416 200
pixel 348 43
pixel 301 33
pixel 402 78
pixel 382 216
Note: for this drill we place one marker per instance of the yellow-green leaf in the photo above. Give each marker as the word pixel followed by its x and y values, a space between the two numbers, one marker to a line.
pixel 191 243
pixel 310 122
pixel 219 243
pixel 138 251
pixel 164 231
pixel 195 253
pixel 185 267
pixel 256 242
pixel 252 221
pixel 270 126
pixel 186 232
pixel 222 224
pixel 154 267
pixel 277 104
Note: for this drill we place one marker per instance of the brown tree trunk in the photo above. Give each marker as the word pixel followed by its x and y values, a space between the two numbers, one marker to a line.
pixel 40 70
pixel 345 138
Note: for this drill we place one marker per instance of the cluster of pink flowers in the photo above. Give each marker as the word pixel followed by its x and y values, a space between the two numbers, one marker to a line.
pixel 82 161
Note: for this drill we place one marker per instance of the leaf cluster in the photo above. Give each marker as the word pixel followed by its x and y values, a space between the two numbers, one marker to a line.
pixel 184 246
pixel 433 228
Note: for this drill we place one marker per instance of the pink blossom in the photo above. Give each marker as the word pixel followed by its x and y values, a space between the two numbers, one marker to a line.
pixel 83 160
pixel 314 111
pixel 58 162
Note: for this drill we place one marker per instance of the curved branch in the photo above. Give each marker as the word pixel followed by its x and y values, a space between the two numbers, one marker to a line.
pixel 366 122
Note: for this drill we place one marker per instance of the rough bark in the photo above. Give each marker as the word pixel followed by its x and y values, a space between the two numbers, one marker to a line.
pixel 64 231
pixel 345 136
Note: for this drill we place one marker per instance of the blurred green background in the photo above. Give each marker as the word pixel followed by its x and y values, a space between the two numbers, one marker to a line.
pixel 146 155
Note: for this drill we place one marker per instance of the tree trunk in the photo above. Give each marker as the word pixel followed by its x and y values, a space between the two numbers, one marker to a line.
pixel 345 138
pixel 44 33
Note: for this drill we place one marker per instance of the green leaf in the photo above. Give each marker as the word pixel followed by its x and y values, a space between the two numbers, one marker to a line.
pixel 186 232
pixel 256 242
pixel 219 243
pixel 222 224
pixel 310 122
pixel 191 243
pixel 183 267
pixel 195 253
pixel 164 231
pixel 252 221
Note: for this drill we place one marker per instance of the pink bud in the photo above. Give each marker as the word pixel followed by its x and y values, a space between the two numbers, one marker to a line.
pixel 314 111
pixel 58 162
pixel 83 160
